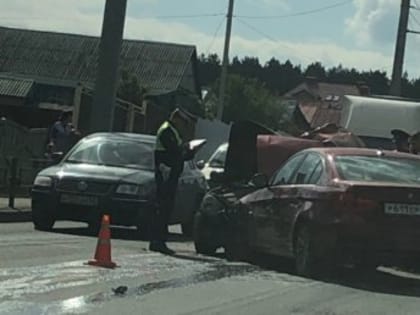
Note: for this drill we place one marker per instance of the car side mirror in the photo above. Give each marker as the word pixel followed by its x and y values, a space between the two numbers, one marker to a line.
pixel 200 164
pixel 57 156
pixel 260 181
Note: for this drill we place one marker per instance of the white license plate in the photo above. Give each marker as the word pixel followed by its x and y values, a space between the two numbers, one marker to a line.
pixel 79 200
pixel 402 209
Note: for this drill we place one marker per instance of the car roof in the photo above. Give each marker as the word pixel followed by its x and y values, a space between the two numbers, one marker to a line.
pixel 123 135
pixel 361 151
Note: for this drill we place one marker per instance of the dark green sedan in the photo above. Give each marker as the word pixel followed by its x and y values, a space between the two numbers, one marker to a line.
pixel 110 173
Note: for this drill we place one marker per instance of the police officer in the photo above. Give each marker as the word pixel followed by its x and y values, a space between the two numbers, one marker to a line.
pixel 170 154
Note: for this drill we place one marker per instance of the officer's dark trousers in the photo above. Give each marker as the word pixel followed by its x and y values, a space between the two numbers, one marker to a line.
pixel 166 191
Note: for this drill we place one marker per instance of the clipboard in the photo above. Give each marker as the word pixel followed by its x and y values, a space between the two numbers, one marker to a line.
pixel 196 144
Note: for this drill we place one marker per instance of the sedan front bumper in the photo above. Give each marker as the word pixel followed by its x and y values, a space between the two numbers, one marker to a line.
pixel 123 211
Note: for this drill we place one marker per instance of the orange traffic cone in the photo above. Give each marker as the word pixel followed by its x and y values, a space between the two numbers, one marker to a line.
pixel 103 248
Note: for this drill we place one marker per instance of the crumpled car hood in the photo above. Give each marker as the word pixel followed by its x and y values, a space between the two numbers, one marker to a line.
pixel 254 149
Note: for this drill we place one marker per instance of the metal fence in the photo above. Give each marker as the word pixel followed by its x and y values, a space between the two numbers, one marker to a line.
pixel 17 176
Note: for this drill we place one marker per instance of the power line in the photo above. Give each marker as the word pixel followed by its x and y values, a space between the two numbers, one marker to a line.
pixel 190 16
pixel 271 38
pixel 414 18
pixel 301 13
pixel 219 26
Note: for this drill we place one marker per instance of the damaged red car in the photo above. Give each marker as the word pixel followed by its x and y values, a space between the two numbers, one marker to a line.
pixel 322 206
pixel 327 206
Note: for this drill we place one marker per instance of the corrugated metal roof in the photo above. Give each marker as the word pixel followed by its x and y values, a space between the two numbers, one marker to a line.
pixel 158 66
pixel 15 87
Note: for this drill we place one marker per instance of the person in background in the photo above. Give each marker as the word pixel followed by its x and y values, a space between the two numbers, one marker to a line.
pixel 170 154
pixel 414 143
pixel 61 134
pixel 400 140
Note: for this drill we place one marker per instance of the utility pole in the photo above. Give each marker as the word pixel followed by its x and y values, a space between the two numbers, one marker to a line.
pixel 225 63
pixel 102 113
pixel 397 70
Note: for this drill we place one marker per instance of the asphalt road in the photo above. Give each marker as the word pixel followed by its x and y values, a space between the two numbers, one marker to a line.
pixel 44 273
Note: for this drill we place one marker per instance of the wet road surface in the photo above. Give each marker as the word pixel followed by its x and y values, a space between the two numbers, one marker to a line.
pixel 45 273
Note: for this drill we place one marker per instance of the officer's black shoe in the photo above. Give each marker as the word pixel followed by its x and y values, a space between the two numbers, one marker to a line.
pixel 160 247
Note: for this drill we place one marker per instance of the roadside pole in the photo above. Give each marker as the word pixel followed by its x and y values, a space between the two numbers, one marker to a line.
pixel 13 181
pixel 225 63
pixel 102 113
pixel 397 69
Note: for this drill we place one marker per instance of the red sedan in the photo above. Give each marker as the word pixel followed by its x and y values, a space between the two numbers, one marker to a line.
pixel 327 206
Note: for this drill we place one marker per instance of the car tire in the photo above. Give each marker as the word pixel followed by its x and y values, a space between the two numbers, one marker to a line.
pixel 312 260
pixel 41 218
pixel 237 247
pixel 202 242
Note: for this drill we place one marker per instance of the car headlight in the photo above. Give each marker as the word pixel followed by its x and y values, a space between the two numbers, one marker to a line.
pixel 126 189
pixel 43 181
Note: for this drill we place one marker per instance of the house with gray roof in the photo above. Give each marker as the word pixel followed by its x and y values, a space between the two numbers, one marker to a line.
pixel 38 67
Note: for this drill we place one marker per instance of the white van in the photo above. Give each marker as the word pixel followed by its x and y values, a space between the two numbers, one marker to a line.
pixel 373 118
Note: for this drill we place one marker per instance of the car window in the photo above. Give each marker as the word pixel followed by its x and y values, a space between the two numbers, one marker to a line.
pixel 378 169
pixel 306 169
pixel 217 160
pixel 111 152
pixel 285 173
pixel 316 175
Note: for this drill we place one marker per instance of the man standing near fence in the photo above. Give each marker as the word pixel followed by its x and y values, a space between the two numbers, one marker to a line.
pixel 61 134
pixel 170 154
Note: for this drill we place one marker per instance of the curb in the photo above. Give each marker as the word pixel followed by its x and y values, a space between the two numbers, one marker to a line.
pixel 15 216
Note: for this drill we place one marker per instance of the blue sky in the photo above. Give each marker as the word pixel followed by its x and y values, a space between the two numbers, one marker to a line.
pixel 355 33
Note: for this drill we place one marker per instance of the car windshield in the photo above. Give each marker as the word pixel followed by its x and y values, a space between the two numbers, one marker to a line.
pixel 111 152
pixel 219 157
pixel 379 169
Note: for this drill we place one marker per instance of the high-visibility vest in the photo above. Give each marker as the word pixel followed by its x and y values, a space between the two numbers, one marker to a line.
pixel 159 146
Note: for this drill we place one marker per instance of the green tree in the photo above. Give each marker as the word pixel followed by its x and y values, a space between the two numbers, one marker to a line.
pixel 317 70
pixel 249 99
pixel 281 77
pixel 209 68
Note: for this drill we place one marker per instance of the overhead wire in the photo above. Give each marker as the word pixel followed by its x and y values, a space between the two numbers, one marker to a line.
pixel 301 13
pixel 188 16
pixel 269 37
pixel 415 19
pixel 219 26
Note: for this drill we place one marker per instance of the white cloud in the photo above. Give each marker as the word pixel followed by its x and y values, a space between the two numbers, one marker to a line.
pixel 374 22
pixel 77 17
